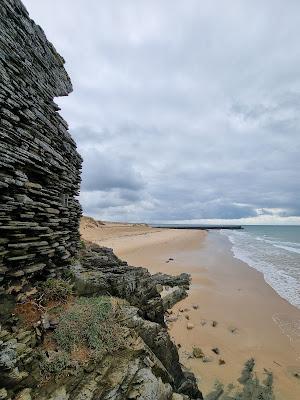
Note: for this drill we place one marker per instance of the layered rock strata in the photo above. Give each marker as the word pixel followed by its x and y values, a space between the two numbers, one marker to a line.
pixel 39 164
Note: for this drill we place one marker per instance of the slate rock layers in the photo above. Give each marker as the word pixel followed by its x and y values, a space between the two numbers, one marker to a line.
pixel 39 164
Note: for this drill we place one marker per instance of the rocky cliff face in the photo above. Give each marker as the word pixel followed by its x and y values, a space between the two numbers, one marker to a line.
pixel 41 356
pixel 39 165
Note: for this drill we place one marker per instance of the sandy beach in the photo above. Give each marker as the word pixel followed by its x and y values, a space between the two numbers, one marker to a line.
pixel 251 319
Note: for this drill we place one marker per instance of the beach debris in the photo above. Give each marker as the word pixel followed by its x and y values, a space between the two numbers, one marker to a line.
pixel 296 375
pixel 221 361
pixel 216 350
pixel 197 352
pixel 203 322
pixel 190 326
pixel 195 306
pixel 214 324
pixel 187 316
pixel 181 309
pixel 232 329
pixel 275 362
pixel 207 359
pixel 170 259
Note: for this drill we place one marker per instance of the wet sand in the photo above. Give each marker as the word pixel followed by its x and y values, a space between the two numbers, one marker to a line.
pixel 227 291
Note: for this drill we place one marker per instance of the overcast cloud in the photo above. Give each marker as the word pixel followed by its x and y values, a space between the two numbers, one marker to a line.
pixel 182 110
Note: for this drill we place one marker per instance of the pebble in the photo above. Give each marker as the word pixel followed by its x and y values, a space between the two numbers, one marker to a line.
pixel 216 350
pixel 190 325
pixel 221 361
pixel 207 359
pixel 195 306
pixel 232 329
pixel 214 324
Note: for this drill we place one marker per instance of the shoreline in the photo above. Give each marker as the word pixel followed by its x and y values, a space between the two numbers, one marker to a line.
pixel 223 287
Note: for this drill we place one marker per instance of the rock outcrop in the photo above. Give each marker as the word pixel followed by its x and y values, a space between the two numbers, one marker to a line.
pixel 39 164
pixel 147 368
pixel 172 288
pixel 99 271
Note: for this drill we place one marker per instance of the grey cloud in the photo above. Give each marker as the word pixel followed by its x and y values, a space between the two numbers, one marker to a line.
pixel 105 172
pixel 182 110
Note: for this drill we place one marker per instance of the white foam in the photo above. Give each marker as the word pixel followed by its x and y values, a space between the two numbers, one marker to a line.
pixel 288 248
pixel 281 280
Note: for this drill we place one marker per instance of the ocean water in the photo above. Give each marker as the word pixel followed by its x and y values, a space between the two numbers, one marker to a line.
pixel 274 251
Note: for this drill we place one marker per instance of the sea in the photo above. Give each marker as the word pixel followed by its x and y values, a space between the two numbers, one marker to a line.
pixel 274 251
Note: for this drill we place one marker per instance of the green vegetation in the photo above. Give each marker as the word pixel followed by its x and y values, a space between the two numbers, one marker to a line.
pixel 55 364
pixel 56 290
pixel 68 274
pixel 87 329
pixel 90 322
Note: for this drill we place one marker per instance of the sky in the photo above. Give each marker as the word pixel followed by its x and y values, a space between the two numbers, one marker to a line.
pixel 183 111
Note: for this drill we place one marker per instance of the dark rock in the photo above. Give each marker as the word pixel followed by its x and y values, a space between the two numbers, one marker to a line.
pixel 182 280
pixel 101 272
pixel 158 340
pixel 173 296
pixel 216 350
pixel 40 167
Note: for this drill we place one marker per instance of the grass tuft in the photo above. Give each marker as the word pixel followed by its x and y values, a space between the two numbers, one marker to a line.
pixel 89 322
pixel 88 328
pixel 56 290
pixel 55 363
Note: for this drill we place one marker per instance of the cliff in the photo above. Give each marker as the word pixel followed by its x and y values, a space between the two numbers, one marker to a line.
pixel 40 167
pixel 76 323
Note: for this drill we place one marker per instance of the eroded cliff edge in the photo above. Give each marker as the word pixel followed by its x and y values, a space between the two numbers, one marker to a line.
pixel 45 282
